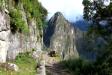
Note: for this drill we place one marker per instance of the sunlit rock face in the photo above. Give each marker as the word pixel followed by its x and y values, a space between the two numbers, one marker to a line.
pixel 60 37
pixel 11 44
pixel 20 42
pixel 4 36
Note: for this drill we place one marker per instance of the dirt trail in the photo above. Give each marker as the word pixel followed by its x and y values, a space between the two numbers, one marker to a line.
pixel 51 66
pixel 56 69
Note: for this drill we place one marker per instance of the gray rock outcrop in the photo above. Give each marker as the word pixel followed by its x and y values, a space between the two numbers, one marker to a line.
pixel 9 66
pixel 4 35
pixel 12 67
pixel 13 43
pixel 60 36
pixel 23 43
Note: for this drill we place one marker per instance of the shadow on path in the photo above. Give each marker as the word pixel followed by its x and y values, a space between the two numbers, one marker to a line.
pixel 56 69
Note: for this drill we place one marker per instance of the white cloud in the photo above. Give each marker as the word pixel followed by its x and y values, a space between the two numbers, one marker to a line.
pixel 70 8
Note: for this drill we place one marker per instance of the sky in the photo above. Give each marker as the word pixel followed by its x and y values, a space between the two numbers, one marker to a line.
pixel 71 9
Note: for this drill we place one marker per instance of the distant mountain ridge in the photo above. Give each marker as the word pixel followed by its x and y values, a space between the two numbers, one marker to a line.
pixel 81 24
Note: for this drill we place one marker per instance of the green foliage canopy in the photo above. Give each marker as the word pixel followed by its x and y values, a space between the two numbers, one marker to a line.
pixel 17 23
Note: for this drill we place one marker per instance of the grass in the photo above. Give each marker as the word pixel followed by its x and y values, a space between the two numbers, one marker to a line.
pixel 35 10
pixel 25 63
pixel 79 66
pixel 17 23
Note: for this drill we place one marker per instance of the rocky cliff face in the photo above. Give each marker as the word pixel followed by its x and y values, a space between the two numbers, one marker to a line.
pixel 13 43
pixel 22 43
pixel 61 37
pixel 4 35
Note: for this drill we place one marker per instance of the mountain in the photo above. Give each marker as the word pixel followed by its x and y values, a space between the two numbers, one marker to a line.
pixel 81 24
pixel 61 36
pixel 67 39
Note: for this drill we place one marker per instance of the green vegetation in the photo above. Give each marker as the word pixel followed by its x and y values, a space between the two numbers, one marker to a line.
pixel 96 30
pixel 84 67
pixel 79 66
pixel 102 66
pixel 33 10
pixel 17 23
pixel 25 63
pixel 0 3
pixel 95 12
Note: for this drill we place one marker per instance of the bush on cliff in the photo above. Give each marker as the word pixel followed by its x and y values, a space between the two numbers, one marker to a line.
pixel 17 22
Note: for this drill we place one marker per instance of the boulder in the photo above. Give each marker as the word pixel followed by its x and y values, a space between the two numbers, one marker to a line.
pixel 9 66
pixel 13 67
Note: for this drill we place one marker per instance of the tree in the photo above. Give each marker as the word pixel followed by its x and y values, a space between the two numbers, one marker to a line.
pixel 100 16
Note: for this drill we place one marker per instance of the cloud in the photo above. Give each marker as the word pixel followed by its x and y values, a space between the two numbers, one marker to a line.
pixel 71 9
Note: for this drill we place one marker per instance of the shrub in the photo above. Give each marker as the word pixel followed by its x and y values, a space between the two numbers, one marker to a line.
pixel 26 65
pixel 102 66
pixel 33 49
pixel 35 10
pixel 17 23
pixel 0 3
pixel 104 63
pixel 32 8
pixel 79 66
